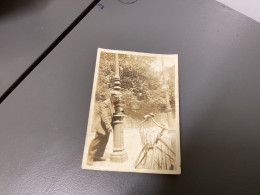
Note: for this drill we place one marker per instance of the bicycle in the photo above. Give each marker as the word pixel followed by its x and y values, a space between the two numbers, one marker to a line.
pixel 147 147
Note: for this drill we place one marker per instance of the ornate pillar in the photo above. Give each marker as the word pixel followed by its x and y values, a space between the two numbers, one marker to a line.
pixel 168 106
pixel 119 154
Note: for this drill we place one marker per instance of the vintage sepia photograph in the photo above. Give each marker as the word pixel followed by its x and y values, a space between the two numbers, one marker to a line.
pixel 133 123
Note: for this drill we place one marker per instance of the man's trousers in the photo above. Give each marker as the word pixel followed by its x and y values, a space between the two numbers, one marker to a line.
pixel 97 146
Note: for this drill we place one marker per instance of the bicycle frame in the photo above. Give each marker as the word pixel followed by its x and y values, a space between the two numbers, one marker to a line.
pixel 149 146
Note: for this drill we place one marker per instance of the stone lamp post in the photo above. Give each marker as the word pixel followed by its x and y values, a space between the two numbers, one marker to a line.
pixel 119 154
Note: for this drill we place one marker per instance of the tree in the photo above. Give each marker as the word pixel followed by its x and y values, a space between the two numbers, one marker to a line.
pixel 141 85
pixel 105 74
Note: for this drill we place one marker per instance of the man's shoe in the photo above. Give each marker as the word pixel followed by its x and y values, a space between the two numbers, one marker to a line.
pixel 90 162
pixel 100 159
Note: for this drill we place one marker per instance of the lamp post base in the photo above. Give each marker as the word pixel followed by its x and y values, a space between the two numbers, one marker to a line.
pixel 119 157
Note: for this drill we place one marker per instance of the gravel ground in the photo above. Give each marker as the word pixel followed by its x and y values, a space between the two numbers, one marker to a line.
pixel 132 146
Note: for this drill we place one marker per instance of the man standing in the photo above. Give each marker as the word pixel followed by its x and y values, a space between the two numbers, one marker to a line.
pixel 103 127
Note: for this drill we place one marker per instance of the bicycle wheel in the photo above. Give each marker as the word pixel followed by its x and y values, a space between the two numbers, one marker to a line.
pixel 142 155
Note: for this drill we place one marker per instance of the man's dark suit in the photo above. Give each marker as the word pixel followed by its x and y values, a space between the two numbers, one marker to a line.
pixel 103 126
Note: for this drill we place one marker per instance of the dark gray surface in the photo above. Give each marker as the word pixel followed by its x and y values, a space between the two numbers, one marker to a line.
pixel 27 27
pixel 43 121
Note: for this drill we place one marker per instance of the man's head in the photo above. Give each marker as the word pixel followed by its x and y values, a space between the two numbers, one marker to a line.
pixel 115 96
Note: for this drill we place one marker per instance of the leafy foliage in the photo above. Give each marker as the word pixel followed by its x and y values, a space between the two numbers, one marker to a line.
pixel 141 85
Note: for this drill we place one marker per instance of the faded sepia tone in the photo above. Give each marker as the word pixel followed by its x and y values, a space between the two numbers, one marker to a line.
pixel 133 123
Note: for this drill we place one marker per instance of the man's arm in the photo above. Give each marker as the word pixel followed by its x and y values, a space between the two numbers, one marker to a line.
pixel 105 116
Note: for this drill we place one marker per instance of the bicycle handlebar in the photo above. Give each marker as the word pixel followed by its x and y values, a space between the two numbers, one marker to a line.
pixel 150 116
